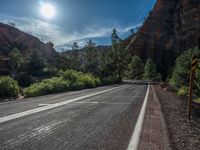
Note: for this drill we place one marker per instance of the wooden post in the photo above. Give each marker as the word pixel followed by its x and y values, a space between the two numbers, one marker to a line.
pixel 192 77
pixel 190 95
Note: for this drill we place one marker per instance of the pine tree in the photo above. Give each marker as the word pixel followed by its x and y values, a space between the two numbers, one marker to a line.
pixel 91 63
pixel 75 50
pixel 135 69
pixel 118 55
pixel 150 72
pixel 76 59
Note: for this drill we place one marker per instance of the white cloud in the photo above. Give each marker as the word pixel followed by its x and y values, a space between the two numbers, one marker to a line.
pixel 56 34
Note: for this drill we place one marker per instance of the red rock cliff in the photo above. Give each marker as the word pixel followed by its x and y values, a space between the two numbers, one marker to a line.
pixel 171 27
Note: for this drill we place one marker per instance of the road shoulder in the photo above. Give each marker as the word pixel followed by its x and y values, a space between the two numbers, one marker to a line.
pixel 182 133
pixel 154 133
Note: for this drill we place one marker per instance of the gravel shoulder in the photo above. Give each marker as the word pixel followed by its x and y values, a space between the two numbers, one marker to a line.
pixel 183 135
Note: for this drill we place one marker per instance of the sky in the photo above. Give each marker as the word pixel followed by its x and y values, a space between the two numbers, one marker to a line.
pixel 76 20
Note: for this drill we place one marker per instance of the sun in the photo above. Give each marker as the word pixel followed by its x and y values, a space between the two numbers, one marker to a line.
pixel 47 10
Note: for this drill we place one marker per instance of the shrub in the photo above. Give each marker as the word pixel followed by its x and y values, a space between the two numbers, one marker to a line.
pixel 8 87
pixel 183 91
pixel 77 85
pixel 48 86
pixel 70 75
pixel 88 80
pixel 78 78
pixel 67 80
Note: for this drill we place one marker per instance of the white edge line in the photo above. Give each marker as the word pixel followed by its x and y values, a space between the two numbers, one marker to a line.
pixel 133 144
pixel 36 110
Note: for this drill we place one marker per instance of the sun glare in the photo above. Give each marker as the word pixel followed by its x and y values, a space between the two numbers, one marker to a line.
pixel 47 10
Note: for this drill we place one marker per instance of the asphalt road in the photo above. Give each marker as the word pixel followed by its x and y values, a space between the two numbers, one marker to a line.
pixel 91 119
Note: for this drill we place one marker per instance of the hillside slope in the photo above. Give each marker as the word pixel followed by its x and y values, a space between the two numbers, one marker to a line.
pixel 11 37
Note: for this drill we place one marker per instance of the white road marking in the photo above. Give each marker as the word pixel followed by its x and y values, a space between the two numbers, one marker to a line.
pixel 133 144
pixel 44 104
pixel 86 102
pixel 40 109
pixel 112 103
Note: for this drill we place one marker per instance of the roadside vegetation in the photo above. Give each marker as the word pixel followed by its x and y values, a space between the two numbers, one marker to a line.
pixel 83 68
pixel 8 87
pixel 66 81
pixel 180 76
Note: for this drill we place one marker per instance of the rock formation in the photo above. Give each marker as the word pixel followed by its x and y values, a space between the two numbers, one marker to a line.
pixel 171 27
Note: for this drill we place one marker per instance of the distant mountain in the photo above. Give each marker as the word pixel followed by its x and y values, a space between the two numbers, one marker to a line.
pixel 11 37
pixel 171 27
pixel 83 50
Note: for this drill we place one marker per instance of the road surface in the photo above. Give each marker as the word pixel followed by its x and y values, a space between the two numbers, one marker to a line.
pixel 92 119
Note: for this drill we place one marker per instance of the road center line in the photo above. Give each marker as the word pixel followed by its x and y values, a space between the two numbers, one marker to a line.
pixel 133 144
pixel 40 109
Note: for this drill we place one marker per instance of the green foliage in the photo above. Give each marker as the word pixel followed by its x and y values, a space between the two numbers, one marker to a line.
pixel 48 86
pixel 135 69
pixel 181 71
pixel 91 59
pixel 88 80
pixel 36 63
pixel 117 59
pixel 197 80
pixel 110 80
pixel 183 91
pixel 71 75
pixel 24 79
pixel 150 72
pixel 15 61
pixel 8 87
pixel 67 80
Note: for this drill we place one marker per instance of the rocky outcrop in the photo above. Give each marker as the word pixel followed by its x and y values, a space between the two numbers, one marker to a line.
pixel 171 27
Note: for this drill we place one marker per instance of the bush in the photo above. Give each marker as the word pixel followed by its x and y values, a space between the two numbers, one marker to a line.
pixel 48 86
pixel 8 87
pixel 67 80
pixel 70 75
pixel 88 80
pixel 77 85
pixel 183 91
pixel 78 78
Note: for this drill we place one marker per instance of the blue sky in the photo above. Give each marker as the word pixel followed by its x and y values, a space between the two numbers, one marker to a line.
pixel 76 20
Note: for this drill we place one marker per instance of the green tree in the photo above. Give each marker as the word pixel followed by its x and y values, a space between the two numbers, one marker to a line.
pixel 118 56
pixel 114 37
pixel 135 68
pixel 15 61
pixel 150 72
pixel 181 72
pixel 76 62
pixel 36 63
pixel 91 63
pixel 75 51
